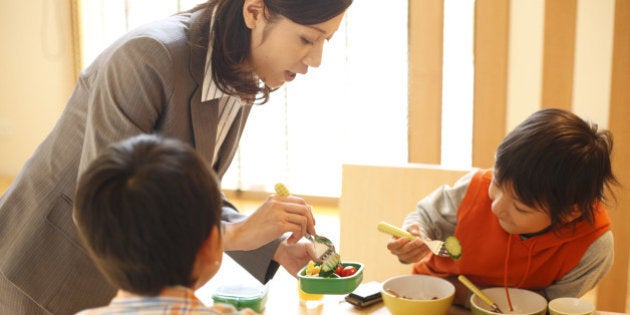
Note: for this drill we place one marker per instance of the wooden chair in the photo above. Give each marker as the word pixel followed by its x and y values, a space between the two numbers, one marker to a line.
pixel 371 194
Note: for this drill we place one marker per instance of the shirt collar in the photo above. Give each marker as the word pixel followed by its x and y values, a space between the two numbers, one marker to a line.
pixel 173 291
pixel 168 293
pixel 210 89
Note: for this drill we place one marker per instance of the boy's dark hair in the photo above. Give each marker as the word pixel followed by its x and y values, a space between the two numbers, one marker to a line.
pixel 557 161
pixel 143 209
pixel 231 38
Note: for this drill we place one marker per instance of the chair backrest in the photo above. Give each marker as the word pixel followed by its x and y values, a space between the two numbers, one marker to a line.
pixel 371 194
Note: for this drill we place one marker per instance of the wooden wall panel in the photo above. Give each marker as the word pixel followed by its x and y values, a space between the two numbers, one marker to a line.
pixel 77 44
pixel 553 64
pixel 612 291
pixel 426 19
pixel 559 53
pixel 490 100
pixel 382 193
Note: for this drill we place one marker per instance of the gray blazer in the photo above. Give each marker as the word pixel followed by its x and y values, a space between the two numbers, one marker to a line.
pixel 149 81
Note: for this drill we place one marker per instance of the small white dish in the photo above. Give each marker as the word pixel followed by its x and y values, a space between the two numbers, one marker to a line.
pixel 570 306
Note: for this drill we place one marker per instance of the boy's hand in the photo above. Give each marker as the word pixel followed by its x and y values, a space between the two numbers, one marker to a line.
pixel 408 251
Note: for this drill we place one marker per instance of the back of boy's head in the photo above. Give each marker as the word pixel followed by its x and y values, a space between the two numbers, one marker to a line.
pixel 557 161
pixel 144 207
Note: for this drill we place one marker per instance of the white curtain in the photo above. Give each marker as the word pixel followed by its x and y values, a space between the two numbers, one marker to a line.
pixel 353 109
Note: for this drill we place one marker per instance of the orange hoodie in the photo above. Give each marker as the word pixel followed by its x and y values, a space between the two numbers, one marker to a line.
pixel 491 257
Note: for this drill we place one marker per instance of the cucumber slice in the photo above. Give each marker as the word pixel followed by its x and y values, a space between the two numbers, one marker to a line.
pixel 453 247
pixel 329 264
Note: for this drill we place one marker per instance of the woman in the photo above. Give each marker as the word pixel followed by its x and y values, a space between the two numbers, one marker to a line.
pixel 194 77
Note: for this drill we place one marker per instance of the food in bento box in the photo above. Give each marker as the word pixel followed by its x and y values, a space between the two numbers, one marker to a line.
pixel 331 267
pixel 345 271
pixel 312 270
pixel 329 264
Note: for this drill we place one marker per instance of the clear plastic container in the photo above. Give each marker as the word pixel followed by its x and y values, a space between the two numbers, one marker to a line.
pixel 242 296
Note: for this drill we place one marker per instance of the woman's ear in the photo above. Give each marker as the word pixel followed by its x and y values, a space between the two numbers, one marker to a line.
pixel 253 11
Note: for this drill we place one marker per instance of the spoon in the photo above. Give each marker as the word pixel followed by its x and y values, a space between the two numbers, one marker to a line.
pixel 323 246
pixel 475 289
pixel 394 293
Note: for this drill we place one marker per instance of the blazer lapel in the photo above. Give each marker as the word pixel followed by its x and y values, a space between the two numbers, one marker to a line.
pixel 204 115
pixel 229 146
pixel 204 118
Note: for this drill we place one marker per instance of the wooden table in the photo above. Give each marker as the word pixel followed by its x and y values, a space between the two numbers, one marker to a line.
pixel 282 298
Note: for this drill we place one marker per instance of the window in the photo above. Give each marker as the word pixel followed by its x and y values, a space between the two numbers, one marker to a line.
pixel 457 83
pixel 350 110
pixel 103 21
pixel 353 109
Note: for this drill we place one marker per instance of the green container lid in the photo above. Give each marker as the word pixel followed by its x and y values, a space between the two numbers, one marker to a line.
pixel 242 296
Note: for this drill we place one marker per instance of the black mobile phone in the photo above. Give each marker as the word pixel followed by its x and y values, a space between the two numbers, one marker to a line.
pixel 365 294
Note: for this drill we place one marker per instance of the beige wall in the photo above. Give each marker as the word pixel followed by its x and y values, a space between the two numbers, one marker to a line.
pixel 36 78
pixel 527 57
pixel 590 70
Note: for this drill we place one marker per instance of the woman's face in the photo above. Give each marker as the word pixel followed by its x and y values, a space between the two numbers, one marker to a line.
pixel 281 49
pixel 513 215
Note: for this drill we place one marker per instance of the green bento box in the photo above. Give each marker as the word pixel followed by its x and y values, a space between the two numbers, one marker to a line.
pixel 335 285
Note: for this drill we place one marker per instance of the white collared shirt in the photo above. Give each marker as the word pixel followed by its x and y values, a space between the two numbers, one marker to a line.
pixel 228 105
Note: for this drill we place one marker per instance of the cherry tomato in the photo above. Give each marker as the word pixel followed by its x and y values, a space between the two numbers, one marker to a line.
pixel 348 271
pixel 339 270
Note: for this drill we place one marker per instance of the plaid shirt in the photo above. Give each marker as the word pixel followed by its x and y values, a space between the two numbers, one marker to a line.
pixel 171 301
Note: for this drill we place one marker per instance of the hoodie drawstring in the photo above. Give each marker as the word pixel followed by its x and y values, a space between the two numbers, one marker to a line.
pixel 529 263
pixel 506 271
pixel 506 266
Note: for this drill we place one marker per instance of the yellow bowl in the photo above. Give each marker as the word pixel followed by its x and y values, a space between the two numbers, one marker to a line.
pixel 417 294
pixel 524 302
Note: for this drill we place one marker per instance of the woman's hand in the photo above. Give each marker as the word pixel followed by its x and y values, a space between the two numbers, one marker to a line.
pixel 275 217
pixel 294 257
pixel 408 251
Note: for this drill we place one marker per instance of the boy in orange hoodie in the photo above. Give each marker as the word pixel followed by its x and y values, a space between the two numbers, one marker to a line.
pixel 536 221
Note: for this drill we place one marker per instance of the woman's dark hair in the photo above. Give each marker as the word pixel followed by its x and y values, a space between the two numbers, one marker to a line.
pixel 231 38
pixel 558 162
pixel 143 209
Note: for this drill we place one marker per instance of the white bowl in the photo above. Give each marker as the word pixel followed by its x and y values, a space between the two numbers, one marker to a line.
pixel 525 302
pixel 417 294
pixel 570 306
